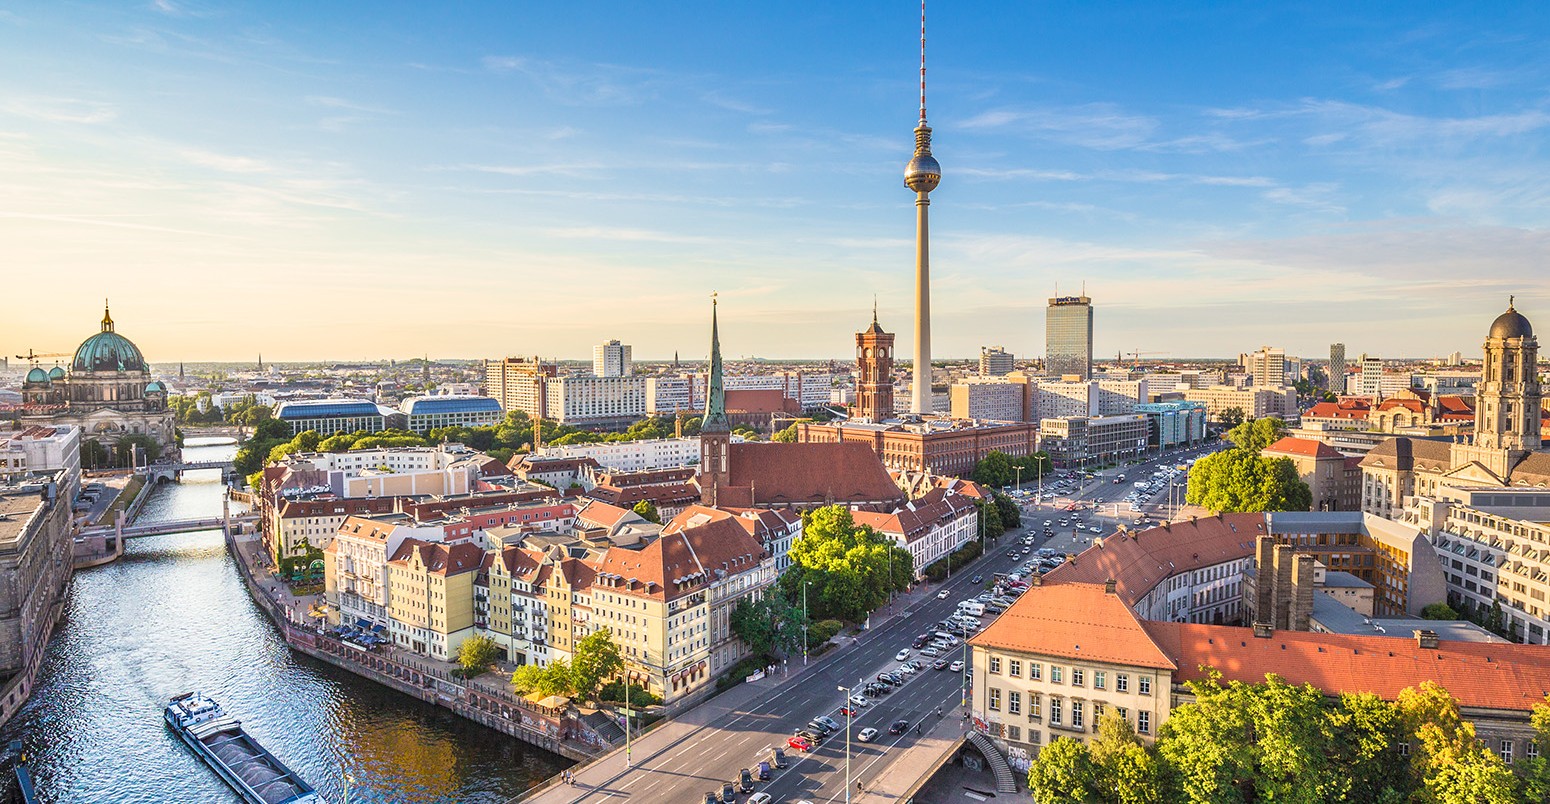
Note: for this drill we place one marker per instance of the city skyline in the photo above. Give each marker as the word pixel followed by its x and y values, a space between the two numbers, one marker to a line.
pixel 1337 183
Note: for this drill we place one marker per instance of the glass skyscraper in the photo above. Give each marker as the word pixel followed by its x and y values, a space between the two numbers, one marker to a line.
pixel 1068 336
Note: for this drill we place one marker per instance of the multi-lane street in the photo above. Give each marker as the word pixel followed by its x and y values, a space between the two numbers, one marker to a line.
pixel 707 758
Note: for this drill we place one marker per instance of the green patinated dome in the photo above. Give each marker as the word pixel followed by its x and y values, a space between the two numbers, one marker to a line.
pixel 56 373
pixel 108 351
pixel 155 387
pixel 37 375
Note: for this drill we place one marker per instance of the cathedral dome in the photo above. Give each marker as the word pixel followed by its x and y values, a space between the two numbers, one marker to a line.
pixel 37 375
pixel 56 373
pixel 155 387
pixel 108 351
pixel 1511 324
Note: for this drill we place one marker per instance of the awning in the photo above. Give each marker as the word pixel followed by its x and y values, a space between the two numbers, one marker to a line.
pixel 362 624
pixel 378 628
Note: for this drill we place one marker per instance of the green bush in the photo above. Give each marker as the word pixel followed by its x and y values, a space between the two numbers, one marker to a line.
pixel 613 692
pixel 959 558
pixel 823 631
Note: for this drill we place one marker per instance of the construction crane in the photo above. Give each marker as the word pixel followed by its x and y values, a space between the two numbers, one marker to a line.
pixel 1135 357
pixel 32 357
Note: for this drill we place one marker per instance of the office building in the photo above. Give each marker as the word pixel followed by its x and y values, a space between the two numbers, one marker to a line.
pixel 612 359
pixel 1334 479
pixel 1079 441
pixel 1254 402
pixel 595 401
pixel 992 399
pixel 518 384
pixel 1267 366
pixel 422 413
pixel 995 361
pixel 1068 337
pixel 329 416
pixel 1174 424
pixel 1337 368
pixel 1369 382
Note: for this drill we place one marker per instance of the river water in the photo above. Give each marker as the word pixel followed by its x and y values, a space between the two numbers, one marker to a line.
pixel 173 616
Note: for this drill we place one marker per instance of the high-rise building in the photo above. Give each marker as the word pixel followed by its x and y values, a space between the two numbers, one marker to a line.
pixel 612 359
pixel 518 383
pixel 1337 368
pixel 922 175
pixel 874 373
pixel 1370 381
pixel 1068 337
pixel 995 361
pixel 1267 366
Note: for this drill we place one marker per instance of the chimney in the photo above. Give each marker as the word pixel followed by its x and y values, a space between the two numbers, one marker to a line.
pixel 1108 586
pixel 1426 638
pixel 1036 580
pixel 1263 630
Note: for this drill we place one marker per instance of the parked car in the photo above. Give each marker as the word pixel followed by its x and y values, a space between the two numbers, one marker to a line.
pixel 712 798
pixel 745 781
pixel 860 700
pixel 834 725
pixel 778 758
pixel 728 794
pixel 800 743
pixel 764 771
pixel 901 655
pixel 760 798
pixel 932 652
pixel 850 711
pixel 866 735
pixel 820 728
pixel 939 664
pixel 908 668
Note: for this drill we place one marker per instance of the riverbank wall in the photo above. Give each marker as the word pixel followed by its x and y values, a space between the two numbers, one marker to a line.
pixel 554 730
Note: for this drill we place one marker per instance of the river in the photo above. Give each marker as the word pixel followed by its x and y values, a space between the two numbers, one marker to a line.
pixel 173 616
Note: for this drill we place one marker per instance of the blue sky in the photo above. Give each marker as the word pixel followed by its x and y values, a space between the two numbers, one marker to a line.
pixel 318 180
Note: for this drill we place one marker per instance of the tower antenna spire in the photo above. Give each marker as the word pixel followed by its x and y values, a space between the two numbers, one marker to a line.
pixel 922 62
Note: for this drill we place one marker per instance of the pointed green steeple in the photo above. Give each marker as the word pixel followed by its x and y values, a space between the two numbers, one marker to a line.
pixel 715 420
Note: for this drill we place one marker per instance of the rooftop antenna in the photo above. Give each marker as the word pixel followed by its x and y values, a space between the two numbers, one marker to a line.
pixel 922 62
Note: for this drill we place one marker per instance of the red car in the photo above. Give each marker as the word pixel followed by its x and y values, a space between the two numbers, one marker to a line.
pixel 799 743
pixel 849 711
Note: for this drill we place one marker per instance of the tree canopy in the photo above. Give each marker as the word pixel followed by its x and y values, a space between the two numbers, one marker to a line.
pixel 1273 741
pixel 999 469
pixel 477 653
pixel 852 568
pixel 595 658
pixel 1241 479
pixel 769 623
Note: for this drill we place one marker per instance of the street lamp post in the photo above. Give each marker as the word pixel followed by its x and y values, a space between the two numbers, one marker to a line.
pixel 1019 470
pixel 850 708
pixel 627 706
pixel 805 584
pixel 963 689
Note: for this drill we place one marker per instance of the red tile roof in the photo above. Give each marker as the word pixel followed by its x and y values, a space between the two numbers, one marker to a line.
pixel 1348 408
pixel 1305 447
pixel 1141 560
pixel 1491 676
pixel 441 559
pixel 680 563
pixel 1074 621
pixel 807 474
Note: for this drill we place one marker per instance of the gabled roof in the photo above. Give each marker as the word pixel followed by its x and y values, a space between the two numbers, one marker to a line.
pixel 1139 561
pixel 808 474
pixel 1305 447
pixel 441 559
pixel 1073 621
pixel 1487 675
pixel 682 562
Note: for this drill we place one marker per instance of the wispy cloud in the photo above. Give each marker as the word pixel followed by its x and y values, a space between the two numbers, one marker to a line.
pixel 1100 126
pixel 574 169
pixel 626 234
pixel 61 110
pixel 720 100
pixel 582 84
pixel 225 162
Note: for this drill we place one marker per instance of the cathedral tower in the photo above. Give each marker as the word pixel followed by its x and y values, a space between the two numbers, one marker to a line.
pixel 874 372
pixel 1507 401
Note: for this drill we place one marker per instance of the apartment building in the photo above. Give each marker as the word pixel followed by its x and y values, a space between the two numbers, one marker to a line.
pixel 431 596
pixel 1255 402
pixel 929 527
pixel 992 398
pixel 518 384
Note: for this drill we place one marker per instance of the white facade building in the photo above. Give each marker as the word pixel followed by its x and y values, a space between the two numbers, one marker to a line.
pixel 634 456
pixel 612 359
pixel 583 400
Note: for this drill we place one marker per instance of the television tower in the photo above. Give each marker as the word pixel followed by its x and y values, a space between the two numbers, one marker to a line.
pixel 922 175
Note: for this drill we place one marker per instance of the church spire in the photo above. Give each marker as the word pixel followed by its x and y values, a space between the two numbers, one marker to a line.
pixel 107 318
pixel 715 420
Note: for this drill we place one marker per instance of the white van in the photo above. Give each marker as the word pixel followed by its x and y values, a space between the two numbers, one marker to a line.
pixel 973 607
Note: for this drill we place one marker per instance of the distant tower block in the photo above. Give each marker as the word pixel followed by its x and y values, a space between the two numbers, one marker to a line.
pixel 922 175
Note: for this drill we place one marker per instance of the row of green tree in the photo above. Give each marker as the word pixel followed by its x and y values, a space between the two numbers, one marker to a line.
pixel 999 469
pixel 201 409
pixel 119 453
pixel 595 659
pixel 1241 479
pixel 272 438
pixel 1276 742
